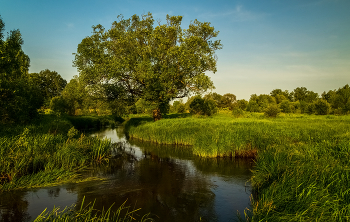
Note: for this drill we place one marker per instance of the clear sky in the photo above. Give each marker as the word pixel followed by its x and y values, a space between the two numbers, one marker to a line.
pixel 267 44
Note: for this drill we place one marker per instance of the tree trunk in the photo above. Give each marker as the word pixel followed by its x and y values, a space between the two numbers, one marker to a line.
pixel 157 115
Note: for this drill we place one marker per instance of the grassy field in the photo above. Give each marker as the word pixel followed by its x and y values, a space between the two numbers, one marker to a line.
pixel 47 151
pixel 302 170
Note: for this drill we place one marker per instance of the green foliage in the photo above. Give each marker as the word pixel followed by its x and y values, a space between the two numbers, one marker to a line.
pixel 178 107
pixel 339 99
pixel 72 132
pixel 237 112
pixel 145 107
pixel 272 111
pixel 50 83
pixel 182 108
pixel 61 106
pixel 310 108
pixel 136 60
pixel 46 152
pixel 285 106
pixel 19 96
pixel 242 104
pixel 280 95
pixel 260 103
pixel 228 100
pixel 302 94
pixel 203 106
pixel 92 122
pixel 75 95
pixel 322 107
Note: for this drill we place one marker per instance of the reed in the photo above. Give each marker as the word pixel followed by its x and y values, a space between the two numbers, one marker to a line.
pixel 228 136
pixel 45 153
pixel 89 213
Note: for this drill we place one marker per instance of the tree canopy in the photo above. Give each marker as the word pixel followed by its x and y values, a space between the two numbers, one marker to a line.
pixel 136 60
pixel 19 96
pixel 50 83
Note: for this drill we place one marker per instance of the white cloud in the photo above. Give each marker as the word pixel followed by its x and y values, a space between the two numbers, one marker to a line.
pixel 70 25
pixel 238 14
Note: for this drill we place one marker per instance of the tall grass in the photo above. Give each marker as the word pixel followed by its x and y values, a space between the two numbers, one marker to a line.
pixel 302 170
pixel 89 213
pixel 45 153
pixel 227 136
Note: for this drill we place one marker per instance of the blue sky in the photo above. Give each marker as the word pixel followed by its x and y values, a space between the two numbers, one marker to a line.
pixel 266 44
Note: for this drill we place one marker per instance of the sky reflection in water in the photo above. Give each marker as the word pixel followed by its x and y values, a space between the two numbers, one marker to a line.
pixel 165 180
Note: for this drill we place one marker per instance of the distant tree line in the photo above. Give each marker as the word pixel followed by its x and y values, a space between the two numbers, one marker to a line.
pixel 300 100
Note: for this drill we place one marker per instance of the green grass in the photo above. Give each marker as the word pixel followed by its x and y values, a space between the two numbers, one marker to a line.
pixel 223 135
pixel 89 213
pixel 46 152
pixel 302 170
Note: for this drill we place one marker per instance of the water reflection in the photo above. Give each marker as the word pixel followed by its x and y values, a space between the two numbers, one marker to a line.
pixel 167 181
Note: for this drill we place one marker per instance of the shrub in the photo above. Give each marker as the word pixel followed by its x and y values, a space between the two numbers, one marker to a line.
pixel 181 108
pixel 322 107
pixel 203 106
pixel 242 104
pixel 285 106
pixel 59 105
pixel 237 112
pixel 210 107
pixel 272 111
pixel 253 106
pixel 310 108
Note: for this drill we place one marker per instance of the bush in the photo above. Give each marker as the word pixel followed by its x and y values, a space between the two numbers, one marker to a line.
pixel 59 105
pixel 310 108
pixel 181 108
pixel 242 104
pixel 237 112
pixel 253 106
pixel 203 106
pixel 272 111
pixel 322 107
pixel 285 106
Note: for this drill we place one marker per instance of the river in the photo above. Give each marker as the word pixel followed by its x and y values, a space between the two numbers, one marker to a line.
pixel 164 180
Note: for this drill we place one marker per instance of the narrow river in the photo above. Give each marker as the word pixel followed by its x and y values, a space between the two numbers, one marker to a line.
pixel 166 181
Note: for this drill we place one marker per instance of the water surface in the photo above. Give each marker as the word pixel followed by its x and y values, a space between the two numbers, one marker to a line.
pixel 166 181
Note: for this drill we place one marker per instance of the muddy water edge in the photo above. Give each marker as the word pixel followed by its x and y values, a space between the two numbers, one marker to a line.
pixel 166 181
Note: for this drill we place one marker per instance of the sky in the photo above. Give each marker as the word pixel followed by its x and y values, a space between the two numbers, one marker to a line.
pixel 267 44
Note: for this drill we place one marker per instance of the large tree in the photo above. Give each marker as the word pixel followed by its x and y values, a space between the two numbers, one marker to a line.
pixel 136 60
pixel 19 96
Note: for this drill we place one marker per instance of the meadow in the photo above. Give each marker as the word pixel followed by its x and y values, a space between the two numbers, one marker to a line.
pixel 302 170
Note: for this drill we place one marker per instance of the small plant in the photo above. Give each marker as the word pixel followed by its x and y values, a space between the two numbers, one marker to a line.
pixel 272 111
pixel 72 132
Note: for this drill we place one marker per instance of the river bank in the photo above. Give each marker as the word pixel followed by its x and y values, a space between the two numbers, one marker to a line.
pixel 49 150
pixel 302 168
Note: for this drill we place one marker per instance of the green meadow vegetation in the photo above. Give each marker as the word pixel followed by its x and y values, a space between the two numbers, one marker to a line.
pixel 47 151
pixel 302 170
pixel 300 140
